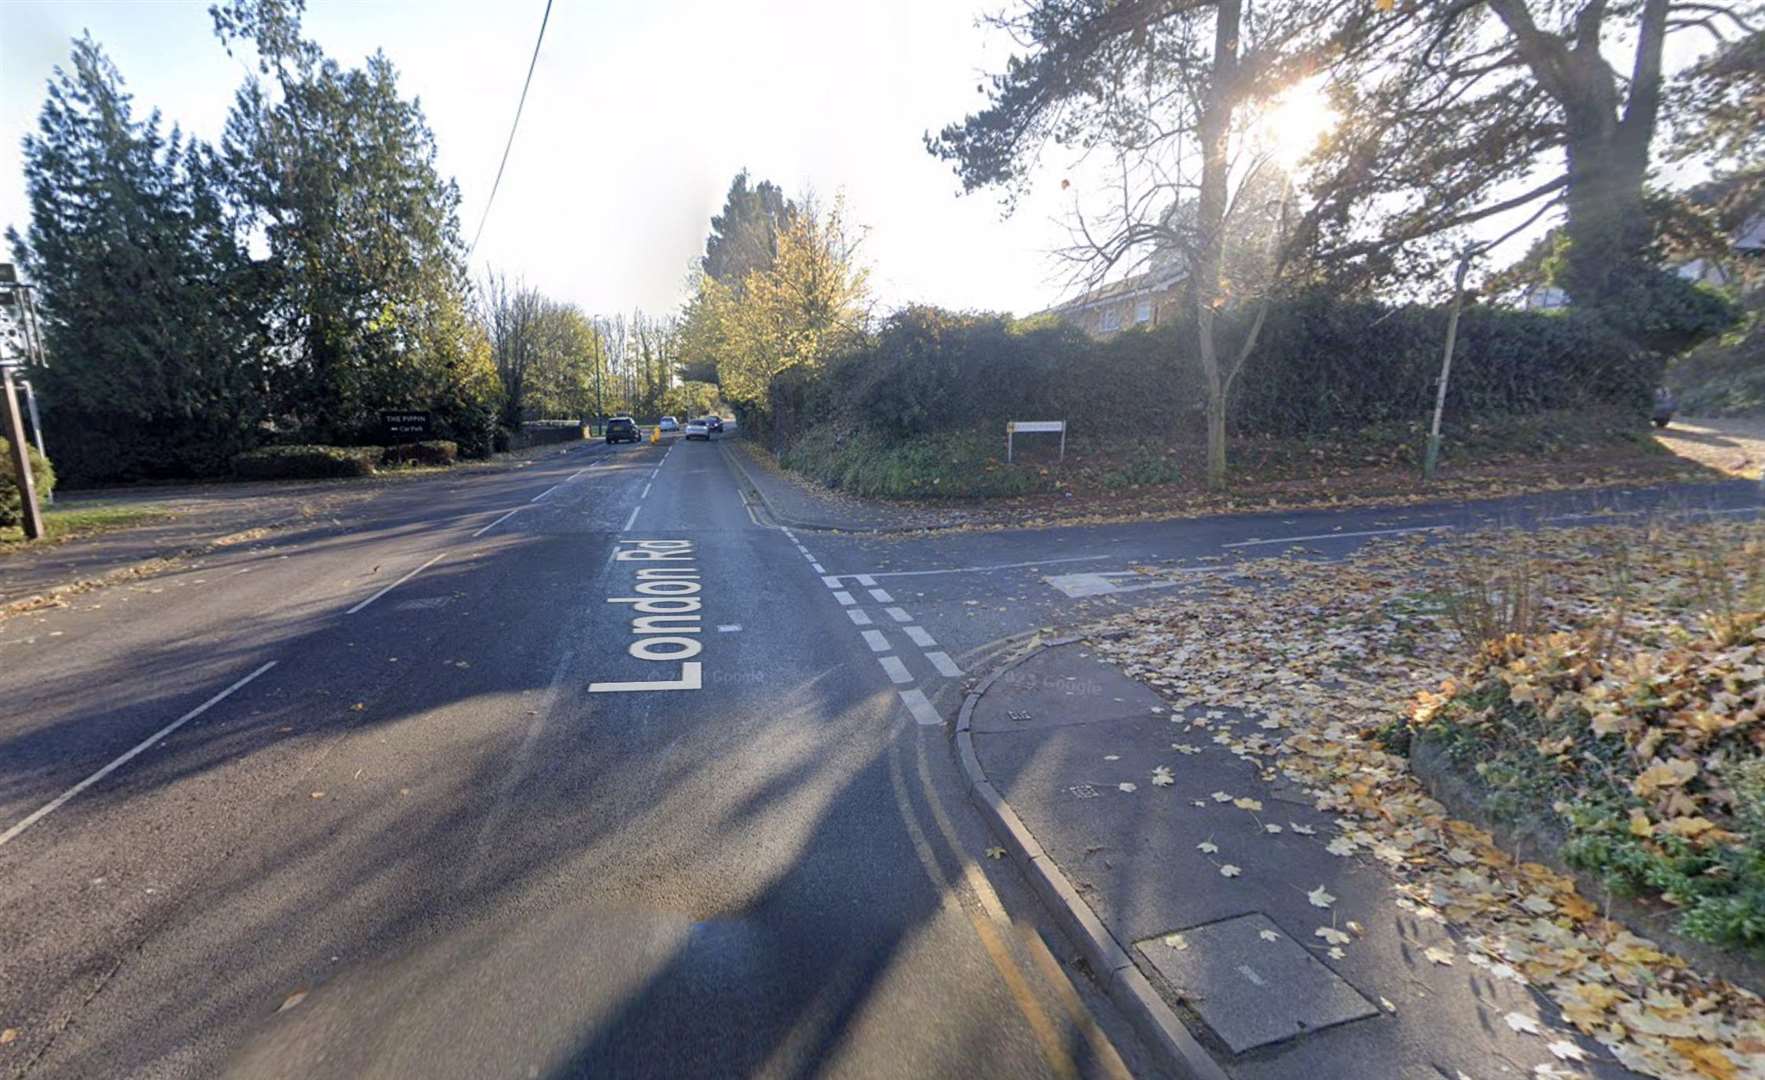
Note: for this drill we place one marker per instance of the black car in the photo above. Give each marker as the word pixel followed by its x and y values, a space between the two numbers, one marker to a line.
pixel 623 429
pixel 715 423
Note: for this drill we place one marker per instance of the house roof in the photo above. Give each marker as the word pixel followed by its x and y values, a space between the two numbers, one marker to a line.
pixel 1149 282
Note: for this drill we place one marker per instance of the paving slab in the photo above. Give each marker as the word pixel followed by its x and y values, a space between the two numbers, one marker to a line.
pixel 1251 983
pixel 1223 852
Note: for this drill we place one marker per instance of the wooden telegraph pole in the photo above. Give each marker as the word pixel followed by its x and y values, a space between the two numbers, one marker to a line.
pixel 12 297
pixel 1432 457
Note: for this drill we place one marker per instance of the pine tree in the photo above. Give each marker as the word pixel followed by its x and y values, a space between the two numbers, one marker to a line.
pixel 147 300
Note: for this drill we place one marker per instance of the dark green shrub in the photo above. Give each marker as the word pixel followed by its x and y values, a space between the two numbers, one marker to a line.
pixel 954 464
pixel 307 462
pixel 428 452
pixel 42 478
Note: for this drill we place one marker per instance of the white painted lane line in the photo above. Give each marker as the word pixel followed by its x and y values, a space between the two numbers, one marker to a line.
pixel 817 567
pixel 859 616
pixel 844 598
pixel 646 493
pixel 994 566
pixel 544 493
pixel 919 636
pixel 495 523
pixel 575 474
pixel 831 582
pixel 396 584
pixel 921 709
pixel 946 666
pixel 876 641
pixel 881 597
pixel 729 628
pixel 866 579
pixel 1340 535
pixel 632 520
pixel 56 804
pixel 897 670
pixel 899 614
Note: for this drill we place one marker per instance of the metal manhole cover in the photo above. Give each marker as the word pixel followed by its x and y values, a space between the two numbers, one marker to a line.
pixel 1250 990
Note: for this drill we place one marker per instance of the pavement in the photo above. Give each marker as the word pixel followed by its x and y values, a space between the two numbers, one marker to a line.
pixel 1246 960
pixel 588 767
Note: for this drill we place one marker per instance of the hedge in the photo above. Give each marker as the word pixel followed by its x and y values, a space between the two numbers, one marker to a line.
pixel 427 452
pixel 42 478
pixel 307 462
pixel 1322 365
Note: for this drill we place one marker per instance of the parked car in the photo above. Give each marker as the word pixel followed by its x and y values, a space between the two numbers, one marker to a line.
pixel 715 423
pixel 623 429
pixel 698 429
pixel 668 423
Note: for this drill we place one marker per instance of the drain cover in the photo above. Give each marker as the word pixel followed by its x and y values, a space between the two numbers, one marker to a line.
pixel 1252 991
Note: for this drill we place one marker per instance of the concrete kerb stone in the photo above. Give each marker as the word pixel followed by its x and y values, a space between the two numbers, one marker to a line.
pixel 1176 1049
pixel 791 520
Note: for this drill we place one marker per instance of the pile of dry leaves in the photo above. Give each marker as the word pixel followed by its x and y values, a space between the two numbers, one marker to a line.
pixel 1627 632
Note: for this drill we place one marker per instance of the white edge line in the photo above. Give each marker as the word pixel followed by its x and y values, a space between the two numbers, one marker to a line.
pixel 1339 536
pixel 495 523
pixel 632 520
pixel 544 493
pixel 396 584
pixel 145 744
pixel 984 569
pixel 646 492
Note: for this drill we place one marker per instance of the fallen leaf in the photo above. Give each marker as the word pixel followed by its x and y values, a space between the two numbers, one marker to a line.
pixel 1128 786
pixel 292 1000
pixel 1220 796
pixel 1319 898
pixel 1522 1023
pixel 1342 845
pixel 1161 777
pixel 1228 870
pixel 1207 846
pixel 1271 828
pixel 8 1035
pixel 1385 1003
pixel 1303 830
pixel 1176 941
pixel 1247 804
pixel 1439 955
pixel 1331 935
pixel 1268 935
pixel 995 853
pixel 1567 1051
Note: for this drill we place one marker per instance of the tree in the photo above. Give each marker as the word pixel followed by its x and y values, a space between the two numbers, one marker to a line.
pixel 338 171
pixel 148 300
pixel 744 237
pixel 1170 90
pixel 1460 111
pixel 1717 113
pixel 795 313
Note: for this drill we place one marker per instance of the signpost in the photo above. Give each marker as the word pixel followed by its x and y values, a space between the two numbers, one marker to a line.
pixel 406 425
pixel 15 347
pixel 1013 427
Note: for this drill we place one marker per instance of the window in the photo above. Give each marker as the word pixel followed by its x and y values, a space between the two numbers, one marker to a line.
pixel 1111 320
pixel 1143 309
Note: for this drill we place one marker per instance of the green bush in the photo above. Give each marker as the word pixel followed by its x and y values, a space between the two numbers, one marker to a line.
pixel 307 462
pixel 42 478
pixel 427 452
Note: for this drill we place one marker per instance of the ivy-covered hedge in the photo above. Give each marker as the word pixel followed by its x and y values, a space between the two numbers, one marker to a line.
pixel 42 478
pixel 307 462
pixel 1322 365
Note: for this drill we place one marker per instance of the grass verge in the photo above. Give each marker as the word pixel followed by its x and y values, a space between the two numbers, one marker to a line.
pixel 76 521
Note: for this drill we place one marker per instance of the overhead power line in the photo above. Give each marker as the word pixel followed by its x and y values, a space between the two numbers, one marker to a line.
pixel 531 64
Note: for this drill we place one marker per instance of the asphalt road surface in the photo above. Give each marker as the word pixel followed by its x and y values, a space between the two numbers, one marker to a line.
pixel 586 768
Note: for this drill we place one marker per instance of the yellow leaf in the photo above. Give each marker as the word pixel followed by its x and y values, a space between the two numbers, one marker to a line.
pixel 1247 804
pixel 1706 1059
pixel 1640 824
pixel 1690 827
pixel 1664 774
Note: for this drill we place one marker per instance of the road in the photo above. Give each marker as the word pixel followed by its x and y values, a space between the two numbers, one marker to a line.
pixel 585 768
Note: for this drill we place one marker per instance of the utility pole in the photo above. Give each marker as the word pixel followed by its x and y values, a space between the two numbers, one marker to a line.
pixel 30 517
pixel 36 428
pixel 16 300
pixel 1452 336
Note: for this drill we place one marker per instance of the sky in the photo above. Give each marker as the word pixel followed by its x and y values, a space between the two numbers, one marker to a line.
pixel 639 116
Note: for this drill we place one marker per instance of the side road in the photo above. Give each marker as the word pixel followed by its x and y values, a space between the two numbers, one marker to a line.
pixel 1208 902
pixel 200 519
